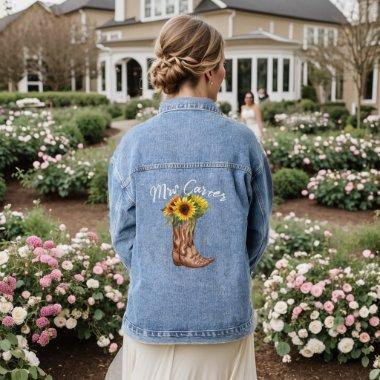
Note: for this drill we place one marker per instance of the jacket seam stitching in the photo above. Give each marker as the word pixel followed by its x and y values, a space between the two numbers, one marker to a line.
pixel 192 109
pixel 244 324
pixel 173 165
pixel 124 184
pixel 262 225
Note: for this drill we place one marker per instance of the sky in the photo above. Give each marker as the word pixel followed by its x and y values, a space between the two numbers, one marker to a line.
pixel 21 4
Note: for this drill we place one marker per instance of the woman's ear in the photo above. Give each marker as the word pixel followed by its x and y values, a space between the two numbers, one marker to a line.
pixel 209 76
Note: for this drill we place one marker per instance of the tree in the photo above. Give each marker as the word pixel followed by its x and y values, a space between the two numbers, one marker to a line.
pixel 12 52
pixel 52 47
pixel 356 50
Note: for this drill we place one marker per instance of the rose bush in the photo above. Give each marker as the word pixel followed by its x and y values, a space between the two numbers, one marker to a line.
pixel 345 189
pixel 77 284
pixel 290 234
pixel 313 154
pixel 309 123
pixel 27 134
pixel 317 308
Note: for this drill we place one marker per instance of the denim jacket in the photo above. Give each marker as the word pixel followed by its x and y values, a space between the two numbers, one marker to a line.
pixel 190 197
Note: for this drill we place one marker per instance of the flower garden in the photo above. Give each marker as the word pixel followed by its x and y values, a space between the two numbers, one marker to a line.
pixel 317 288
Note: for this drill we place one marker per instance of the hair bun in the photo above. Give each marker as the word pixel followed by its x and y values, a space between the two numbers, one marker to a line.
pixel 186 48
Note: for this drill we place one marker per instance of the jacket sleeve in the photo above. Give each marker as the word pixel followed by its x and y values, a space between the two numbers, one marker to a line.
pixel 122 214
pixel 259 213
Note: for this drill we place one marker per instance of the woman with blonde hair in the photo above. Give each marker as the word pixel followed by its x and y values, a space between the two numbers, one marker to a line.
pixel 190 196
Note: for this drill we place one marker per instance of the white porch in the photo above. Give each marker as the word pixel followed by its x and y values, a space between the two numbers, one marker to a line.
pixel 275 68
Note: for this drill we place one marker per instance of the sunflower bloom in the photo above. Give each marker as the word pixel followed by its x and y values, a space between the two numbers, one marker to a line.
pixel 169 208
pixel 184 209
pixel 200 201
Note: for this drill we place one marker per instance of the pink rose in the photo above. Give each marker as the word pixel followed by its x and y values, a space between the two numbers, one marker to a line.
pixel 112 348
pixel 97 269
pixel 364 337
pixel 374 321
pixel 316 290
pixel 49 244
pixel 297 311
pixel 328 306
pixel 347 288
pixel 306 287
pixel 299 281
pixel 341 329
pixel 34 241
pixel 350 320
pixel 71 299
pixel 350 297
pixel 318 305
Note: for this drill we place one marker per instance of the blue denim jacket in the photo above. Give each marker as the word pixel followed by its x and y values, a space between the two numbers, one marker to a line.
pixel 190 197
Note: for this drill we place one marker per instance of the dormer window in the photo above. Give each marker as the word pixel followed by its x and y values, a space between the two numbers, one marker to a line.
pixel 157 9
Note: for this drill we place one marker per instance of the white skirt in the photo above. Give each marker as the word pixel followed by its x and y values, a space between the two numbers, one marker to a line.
pixel 221 361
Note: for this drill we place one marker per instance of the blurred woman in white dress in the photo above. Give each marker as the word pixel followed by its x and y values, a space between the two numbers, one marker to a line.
pixel 251 115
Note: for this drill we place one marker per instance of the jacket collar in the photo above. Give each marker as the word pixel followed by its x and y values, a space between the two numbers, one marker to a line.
pixel 181 103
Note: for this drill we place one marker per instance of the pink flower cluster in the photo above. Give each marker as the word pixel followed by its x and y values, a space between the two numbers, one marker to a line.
pixel 45 336
pixel 8 286
pixel 49 310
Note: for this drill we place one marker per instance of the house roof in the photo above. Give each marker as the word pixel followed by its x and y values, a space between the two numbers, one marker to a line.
pixel 63 8
pixel 312 10
pixel 6 20
pixel 74 5
pixel 263 35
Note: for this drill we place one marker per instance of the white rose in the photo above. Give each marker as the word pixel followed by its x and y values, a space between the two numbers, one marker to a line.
pixel 303 333
pixel 19 314
pixel 329 321
pixel 353 305
pixel 7 355
pixel 363 312
pixel 31 357
pixel 103 341
pixel 5 307
pixel 315 327
pixel 314 314
pixel 23 251
pixel 333 333
pixel 373 309
pixel 297 341
pixel 281 307
pixel 316 345
pixel 290 301
pixel 92 283
pixel 22 342
pixel 276 324
pixel 307 352
pixel 345 345
pixel 60 321
pixel 71 323
pixel 25 329
pixel 4 257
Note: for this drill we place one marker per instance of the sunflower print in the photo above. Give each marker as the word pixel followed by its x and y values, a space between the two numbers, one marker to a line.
pixel 183 212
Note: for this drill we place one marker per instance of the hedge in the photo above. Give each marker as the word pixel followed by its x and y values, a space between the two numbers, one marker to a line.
pixel 56 99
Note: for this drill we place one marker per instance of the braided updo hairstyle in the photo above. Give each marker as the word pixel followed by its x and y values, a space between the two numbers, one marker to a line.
pixel 186 48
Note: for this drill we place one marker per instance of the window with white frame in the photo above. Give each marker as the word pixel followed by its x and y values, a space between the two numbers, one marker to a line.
pixel 156 9
pixel 370 85
pixel 286 75
pixel 314 35
pixel 103 75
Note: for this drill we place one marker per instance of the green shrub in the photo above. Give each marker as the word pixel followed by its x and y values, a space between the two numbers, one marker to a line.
pixel 354 132
pixel 307 105
pixel 2 188
pixel 134 105
pixel 91 124
pixel 98 185
pixel 115 110
pixel 308 92
pixel 56 99
pixel 225 107
pixel 71 131
pixel 271 109
pixel 338 113
pixel 288 183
